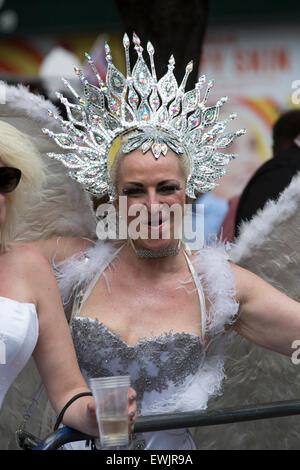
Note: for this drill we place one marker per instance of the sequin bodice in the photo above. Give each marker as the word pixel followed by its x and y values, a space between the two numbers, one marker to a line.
pixel 154 364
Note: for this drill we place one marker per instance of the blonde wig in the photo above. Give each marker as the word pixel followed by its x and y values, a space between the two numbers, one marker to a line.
pixel 16 150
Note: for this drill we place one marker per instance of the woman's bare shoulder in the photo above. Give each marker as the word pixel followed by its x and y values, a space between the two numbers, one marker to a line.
pixel 23 269
pixel 21 259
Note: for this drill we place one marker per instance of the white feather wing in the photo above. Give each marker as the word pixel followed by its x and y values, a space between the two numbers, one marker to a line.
pixel 269 246
pixel 63 208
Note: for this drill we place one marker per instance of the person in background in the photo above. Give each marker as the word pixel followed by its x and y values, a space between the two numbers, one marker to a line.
pixel 226 231
pixel 215 209
pixel 275 174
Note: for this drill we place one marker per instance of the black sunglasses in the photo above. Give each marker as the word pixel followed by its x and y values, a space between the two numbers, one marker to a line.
pixel 9 179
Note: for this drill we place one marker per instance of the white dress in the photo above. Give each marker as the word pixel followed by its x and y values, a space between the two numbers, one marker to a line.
pixel 172 372
pixel 18 336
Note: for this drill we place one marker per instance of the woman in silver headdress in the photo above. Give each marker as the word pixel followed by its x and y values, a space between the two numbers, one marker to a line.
pixel 151 307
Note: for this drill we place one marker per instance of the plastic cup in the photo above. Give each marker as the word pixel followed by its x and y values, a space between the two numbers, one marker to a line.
pixel 111 398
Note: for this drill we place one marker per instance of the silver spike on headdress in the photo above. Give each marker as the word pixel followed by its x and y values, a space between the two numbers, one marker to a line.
pixel 158 114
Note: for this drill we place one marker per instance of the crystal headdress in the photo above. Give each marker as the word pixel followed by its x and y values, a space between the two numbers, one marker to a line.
pixel 159 114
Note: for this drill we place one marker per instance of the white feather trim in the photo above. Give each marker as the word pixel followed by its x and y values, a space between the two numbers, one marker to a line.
pixel 218 282
pixel 82 267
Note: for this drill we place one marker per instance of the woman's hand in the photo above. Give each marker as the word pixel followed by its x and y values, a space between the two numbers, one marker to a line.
pixel 132 412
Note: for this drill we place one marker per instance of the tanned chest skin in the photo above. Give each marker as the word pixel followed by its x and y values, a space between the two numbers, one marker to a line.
pixel 134 305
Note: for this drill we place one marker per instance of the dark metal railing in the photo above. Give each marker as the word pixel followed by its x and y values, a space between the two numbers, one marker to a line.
pixel 185 420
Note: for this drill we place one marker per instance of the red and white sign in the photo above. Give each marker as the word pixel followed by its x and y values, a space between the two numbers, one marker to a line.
pixel 259 69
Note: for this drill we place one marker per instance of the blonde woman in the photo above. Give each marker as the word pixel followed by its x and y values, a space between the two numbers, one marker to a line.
pixel 32 321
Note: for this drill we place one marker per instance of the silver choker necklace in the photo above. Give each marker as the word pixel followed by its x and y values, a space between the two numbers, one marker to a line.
pixel 145 253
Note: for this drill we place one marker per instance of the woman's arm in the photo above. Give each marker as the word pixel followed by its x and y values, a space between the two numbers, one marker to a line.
pixel 54 353
pixel 266 316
